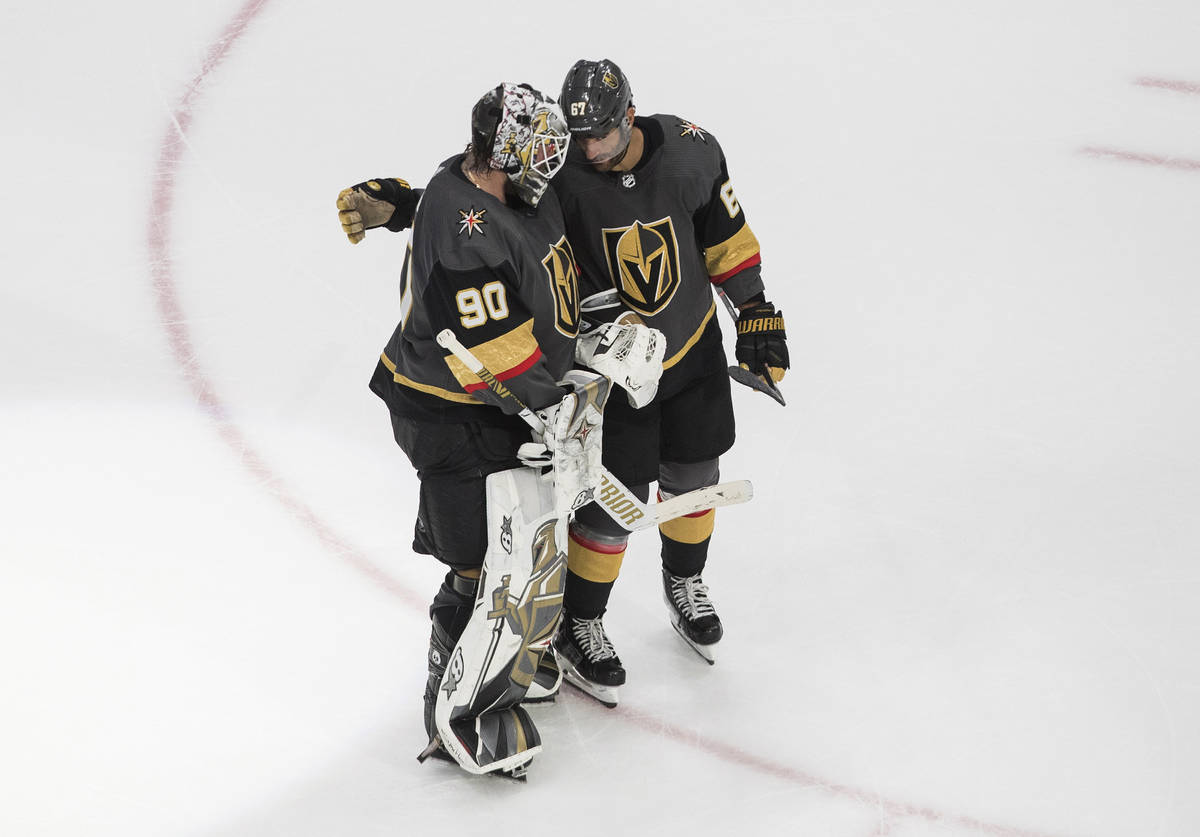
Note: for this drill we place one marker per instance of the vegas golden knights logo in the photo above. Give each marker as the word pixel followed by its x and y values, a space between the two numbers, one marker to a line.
pixel 643 261
pixel 533 616
pixel 560 265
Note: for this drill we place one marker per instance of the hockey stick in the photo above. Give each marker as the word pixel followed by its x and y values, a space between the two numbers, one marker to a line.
pixel 621 504
pixel 762 383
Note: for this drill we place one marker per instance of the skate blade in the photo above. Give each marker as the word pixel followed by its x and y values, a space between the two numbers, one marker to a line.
pixel 607 695
pixel 706 652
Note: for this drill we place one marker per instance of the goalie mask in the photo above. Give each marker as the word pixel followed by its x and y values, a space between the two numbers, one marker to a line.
pixel 526 136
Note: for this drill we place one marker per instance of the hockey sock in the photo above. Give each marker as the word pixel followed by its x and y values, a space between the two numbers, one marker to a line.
pixel 685 542
pixel 593 564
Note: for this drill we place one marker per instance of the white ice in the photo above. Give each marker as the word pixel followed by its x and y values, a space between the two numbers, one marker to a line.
pixel 964 601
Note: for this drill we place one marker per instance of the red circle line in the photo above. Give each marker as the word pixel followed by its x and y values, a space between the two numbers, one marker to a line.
pixel 172 152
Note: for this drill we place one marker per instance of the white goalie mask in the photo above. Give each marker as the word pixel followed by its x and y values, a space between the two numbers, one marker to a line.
pixel 530 140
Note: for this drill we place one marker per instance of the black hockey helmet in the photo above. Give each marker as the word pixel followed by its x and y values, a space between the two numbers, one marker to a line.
pixel 595 97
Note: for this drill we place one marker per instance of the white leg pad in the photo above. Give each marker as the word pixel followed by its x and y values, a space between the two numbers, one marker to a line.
pixel 516 612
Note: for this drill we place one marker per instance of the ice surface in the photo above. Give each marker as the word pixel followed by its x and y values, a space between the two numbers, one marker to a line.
pixel 965 599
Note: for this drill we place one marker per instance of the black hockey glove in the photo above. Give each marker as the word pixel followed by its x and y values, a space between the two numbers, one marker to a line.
pixel 387 202
pixel 762 342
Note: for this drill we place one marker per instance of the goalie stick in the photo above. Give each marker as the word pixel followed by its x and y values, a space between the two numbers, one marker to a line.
pixel 621 504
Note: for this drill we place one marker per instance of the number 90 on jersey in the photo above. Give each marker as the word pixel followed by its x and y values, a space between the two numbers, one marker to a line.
pixel 477 305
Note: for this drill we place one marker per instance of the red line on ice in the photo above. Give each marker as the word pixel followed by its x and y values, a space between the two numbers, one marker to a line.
pixel 1168 84
pixel 158 237
pixel 1179 163
pixel 736 755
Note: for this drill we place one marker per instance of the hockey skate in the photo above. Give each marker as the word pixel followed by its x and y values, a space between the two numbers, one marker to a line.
pixel 587 658
pixel 692 614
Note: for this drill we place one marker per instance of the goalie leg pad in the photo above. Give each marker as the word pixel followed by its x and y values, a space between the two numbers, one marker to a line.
pixel 449 613
pixel 498 740
pixel 546 680
pixel 515 613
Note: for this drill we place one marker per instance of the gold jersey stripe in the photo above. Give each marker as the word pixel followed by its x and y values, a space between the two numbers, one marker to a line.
pixel 691 341
pixel 499 355
pixel 730 253
pixel 428 389
pixel 600 567
pixel 690 529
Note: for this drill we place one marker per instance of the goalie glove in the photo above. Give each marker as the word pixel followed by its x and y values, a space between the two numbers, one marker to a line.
pixel 572 435
pixel 762 341
pixel 628 352
pixel 388 202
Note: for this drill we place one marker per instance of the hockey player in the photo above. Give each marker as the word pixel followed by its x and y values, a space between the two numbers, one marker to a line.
pixel 651 214
pixel 490 262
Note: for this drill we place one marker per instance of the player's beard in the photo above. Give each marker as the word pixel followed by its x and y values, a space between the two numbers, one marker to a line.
pixel 608 164
pixel 625 138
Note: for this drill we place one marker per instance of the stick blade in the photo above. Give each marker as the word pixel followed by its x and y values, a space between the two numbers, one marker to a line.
pixel 747 378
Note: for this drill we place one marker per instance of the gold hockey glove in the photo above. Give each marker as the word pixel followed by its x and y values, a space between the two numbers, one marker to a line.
pixel 388 202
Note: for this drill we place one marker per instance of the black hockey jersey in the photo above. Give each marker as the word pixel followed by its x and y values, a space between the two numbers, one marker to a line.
pixel 503 278
pixel 664 234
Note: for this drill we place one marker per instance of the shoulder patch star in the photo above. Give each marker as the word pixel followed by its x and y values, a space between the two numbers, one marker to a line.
pixel 691 129
pixel 471 221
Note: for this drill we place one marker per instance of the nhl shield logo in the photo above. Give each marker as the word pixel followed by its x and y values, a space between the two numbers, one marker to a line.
pixel 643 261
